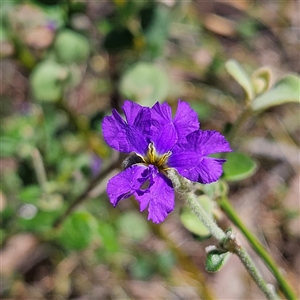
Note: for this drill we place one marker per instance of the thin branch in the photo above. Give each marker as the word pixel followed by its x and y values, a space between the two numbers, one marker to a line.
pixel 227 240
pixel 258 247
pixel 85 194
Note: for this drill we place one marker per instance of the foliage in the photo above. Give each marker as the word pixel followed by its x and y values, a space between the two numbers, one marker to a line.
pixel 65 65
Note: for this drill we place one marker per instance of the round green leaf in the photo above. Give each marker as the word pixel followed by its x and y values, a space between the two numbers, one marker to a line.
pixel 109 237
pixel 40 222
pixel 238 166
pixel 132 225
pixel 191 222
pixel 47 81
pixel 145 83
pixel 30 194
pixel 285 90
pixel 235 69
pixel 8 146
pixel 71 47
pixel 215 260
pixel 78 230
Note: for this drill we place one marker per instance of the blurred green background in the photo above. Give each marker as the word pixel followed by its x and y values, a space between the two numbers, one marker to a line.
pixel 64 66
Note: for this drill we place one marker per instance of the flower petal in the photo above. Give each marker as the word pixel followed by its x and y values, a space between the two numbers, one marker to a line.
pixel 197 168
pixel 137 116
pixel 210 169
pixel 189 158
pixel 208 142
pixel 159 197
pixel 124 184
pixel 122 137
pixel 185 120
pixel 165 139
pixel 131 110
pixel 163 132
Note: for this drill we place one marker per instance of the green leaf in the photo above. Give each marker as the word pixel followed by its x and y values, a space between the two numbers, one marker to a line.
pixel 203 110
pixel 47 81
pixel 145 83
pixel 262 80
pixel 285 90
pixel 30 194
pixel 235 69
pixel 55 14
pixel 78 230
pixel 166 261
pixel 51 202
pixel 156 32
pixel 238 166
pixel 41 222
pixel 132 225
pixel 216 189
pixel 215 260
pixel 109 237
pixel 247 28
pixel 71 47
pixel 191 222
pixel 8 146
pixel 143 267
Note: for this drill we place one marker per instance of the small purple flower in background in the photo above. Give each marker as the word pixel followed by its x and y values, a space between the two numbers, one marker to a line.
pixel 159 142
pixel 96 164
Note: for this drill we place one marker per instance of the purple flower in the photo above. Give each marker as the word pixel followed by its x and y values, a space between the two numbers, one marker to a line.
pixel 159 142
pixel 96 164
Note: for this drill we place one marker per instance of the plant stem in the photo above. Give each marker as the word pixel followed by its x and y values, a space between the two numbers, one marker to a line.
pixel 209 223
pixel 186 262
pixel 85 194
pixel 237 124
pixel 227 240
pixel 39 168
pixel 248 263
pixel 259 248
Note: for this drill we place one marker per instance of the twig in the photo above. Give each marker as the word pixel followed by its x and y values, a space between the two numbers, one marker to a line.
pixel 85 194
pixel 39 168
pixel 259 248
pixel 227 240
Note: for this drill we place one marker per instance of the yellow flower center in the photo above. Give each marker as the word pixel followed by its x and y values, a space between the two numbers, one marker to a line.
pixel 153 158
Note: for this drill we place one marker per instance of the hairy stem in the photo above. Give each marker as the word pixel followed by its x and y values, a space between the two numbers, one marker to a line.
pixel 252 270
pixel 209 223
pixel 228 241
pixel 259 248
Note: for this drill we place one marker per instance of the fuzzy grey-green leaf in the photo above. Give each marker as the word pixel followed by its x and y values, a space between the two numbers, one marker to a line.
pixel 238 166
pixel 285 90
pixel 192 223
pixel 215 260
pixel 235 69
pixel 47 81
pixel 145 83
pixel 71 47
